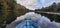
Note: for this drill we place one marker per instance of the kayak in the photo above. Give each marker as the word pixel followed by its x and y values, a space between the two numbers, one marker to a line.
pixel 27 24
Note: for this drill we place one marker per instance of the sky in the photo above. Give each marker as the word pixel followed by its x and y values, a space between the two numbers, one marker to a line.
pixel 40 20
pixel 35 4
pixel 43 21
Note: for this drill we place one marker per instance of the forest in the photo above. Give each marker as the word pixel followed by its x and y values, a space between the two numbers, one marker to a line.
pixel 55 8
pixel 9 10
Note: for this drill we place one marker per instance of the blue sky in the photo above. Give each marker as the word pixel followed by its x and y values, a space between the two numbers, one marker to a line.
pixel 35 4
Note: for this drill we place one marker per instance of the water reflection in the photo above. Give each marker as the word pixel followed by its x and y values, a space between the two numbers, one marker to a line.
pixel 43 21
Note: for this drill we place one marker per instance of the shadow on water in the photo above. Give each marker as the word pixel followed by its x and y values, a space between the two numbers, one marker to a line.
pixel 52 17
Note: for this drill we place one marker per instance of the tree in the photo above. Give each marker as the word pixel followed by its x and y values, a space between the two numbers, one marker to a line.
pixel 9 11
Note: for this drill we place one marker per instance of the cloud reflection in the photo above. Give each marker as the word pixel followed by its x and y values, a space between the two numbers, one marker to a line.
pixel 43 21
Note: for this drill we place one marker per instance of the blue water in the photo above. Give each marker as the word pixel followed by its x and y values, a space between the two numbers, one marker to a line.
pixel 33 20
pixel 27 24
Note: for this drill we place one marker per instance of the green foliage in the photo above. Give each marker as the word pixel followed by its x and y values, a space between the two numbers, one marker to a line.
pixel 55 7
pixel 9 11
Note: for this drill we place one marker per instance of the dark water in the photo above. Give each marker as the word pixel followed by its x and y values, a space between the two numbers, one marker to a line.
pixel 43 21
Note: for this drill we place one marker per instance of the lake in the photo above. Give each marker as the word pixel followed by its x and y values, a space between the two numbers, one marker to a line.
pixel 37 21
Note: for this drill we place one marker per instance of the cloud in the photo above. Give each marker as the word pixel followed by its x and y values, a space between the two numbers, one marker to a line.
pixel 34 4
pixel 46 3
pixel 43 21
pixel 30 4
pixel 43 1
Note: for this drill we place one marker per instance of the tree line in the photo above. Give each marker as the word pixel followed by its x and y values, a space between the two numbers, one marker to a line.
pixel 55 7
pixel 9 10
